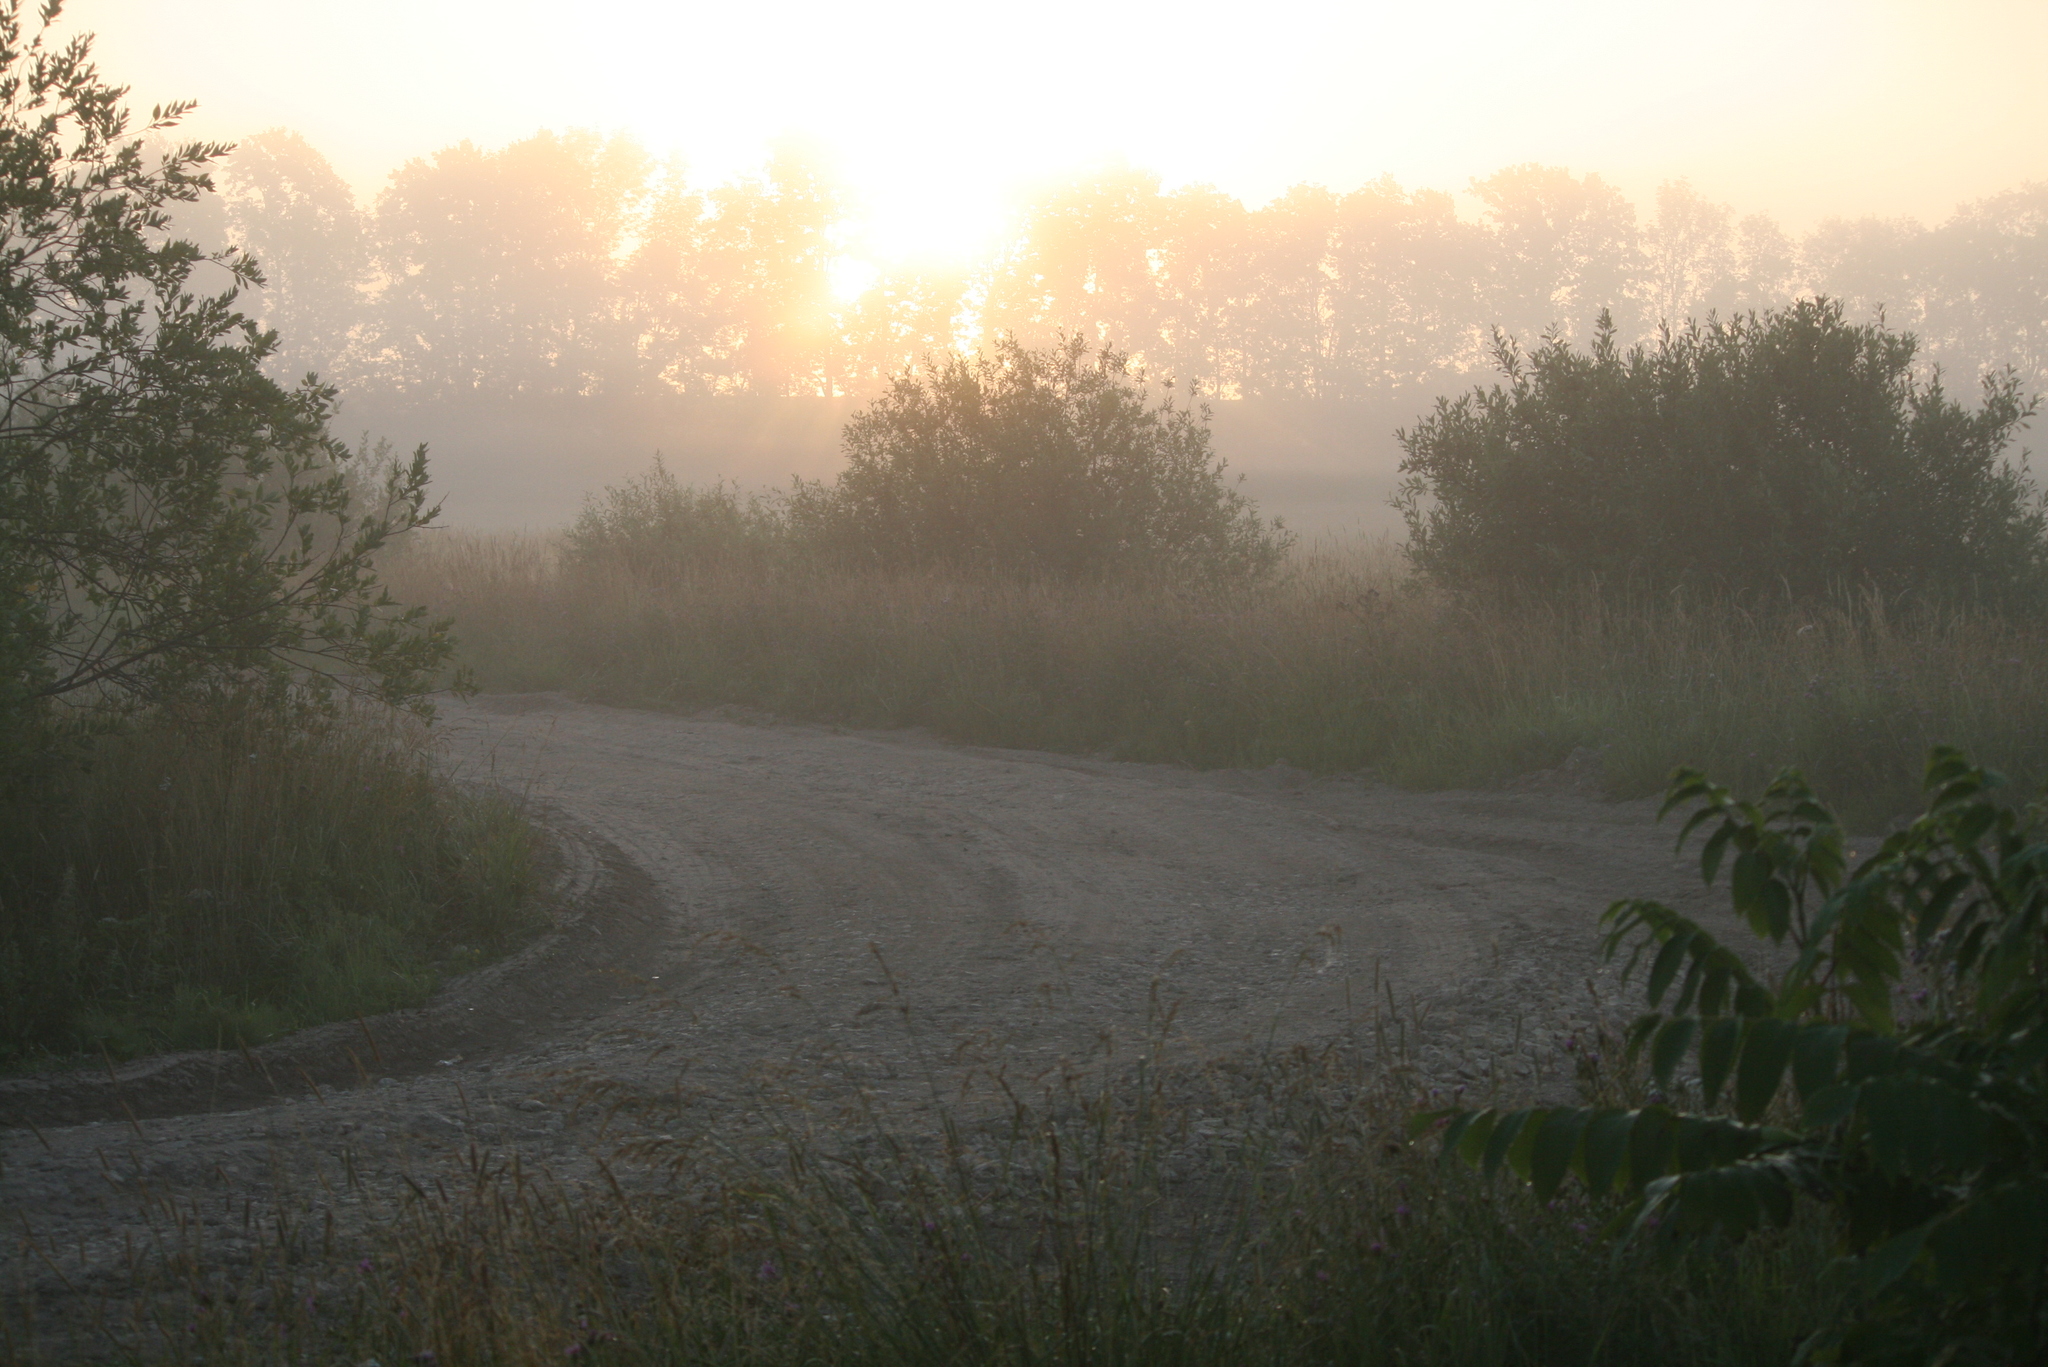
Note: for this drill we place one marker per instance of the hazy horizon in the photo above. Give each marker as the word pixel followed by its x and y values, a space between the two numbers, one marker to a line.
pixel 969 167
pixel 937 123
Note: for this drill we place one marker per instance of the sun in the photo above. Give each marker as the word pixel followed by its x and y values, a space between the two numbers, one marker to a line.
pixel 911 215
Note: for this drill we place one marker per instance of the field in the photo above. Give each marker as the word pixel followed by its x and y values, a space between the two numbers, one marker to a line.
pixel 969 1175
pixel 1340 664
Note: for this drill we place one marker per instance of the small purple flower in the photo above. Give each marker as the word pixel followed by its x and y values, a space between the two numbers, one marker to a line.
pixel 365 1267
pixel 573 1350
pixel 1401 1212
pixel 930 1225
pixel 1322 1276
pixel 769 1271
pixel 1376 1247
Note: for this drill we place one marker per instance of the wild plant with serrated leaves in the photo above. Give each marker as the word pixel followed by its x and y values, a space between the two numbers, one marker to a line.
pixel 1926 1139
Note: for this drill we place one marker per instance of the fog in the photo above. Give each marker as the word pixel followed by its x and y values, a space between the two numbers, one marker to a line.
pixel 594 239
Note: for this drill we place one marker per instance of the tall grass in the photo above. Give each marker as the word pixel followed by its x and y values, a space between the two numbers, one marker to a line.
pixel 201 878
pixel 1268 1212
pixel 1339 663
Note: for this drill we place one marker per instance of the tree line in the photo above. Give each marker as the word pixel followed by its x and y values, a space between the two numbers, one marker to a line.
pixel 578 264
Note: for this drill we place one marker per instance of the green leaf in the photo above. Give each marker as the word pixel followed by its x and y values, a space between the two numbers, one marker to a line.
pixel 1604 1149
pixel 1816 1057
pixel 1759 896
pixel 1649 1145
pixel 1923 1128
pixel 1503 1137
pixel 1666 964
pixel 1766 1047
pixel 1556 1142
pixel 1875 1271
pixel 1831 1105
pixel 1668 1047
pixel 1716 846
pixel 1717 1056
pixel 1998 1235
pixel 1471 1134
pixel 1719 1196
pixel 1752 874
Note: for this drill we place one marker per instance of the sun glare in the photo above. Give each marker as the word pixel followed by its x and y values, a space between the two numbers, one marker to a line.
pixel 924 216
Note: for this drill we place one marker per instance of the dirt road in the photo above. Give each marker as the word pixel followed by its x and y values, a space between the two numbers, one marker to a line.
pixel 877 914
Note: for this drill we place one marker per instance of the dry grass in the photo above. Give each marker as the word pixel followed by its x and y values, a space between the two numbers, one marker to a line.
pixel 1342 663
pixel 1264 1211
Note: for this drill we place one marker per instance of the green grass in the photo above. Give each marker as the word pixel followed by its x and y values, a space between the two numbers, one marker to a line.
pixel 1341 663
pixel 200 880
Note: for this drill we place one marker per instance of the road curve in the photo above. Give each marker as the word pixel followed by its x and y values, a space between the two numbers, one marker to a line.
pixel 817 913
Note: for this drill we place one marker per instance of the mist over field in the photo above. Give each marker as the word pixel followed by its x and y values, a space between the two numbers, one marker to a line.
pixel 910 683
pixel 550 313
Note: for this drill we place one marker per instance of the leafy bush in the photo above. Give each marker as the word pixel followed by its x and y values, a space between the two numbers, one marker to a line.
pixel 1926 1137
pixel 1041 462
pixel 1782 451
pixel 171 521
pixel 658 531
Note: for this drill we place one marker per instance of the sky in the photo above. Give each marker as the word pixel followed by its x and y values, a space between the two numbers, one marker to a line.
pixel 937 116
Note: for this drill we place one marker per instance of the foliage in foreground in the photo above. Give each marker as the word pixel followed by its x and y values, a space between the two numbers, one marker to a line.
pixel 202 846
pixel 1927 1137
pixel 1261 1213
pixel 1781 452
pixel 172 522
pixel 194 879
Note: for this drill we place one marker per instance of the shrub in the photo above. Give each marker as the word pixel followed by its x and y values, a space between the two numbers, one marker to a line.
pixel 1927 1139
pixel 657 531
pixel 1783 451
pixel 1046 463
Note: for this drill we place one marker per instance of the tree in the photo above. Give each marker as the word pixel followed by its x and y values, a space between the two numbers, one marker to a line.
pixel 908 313
pixel 1081 265
pixel 1563 248
pixel 500 267
pixel 1987 296
pixel 664 295
pixel 1919 1122
pixel 286 206
pixel 1786 450
pixel 1690 258
pixel 172 521
pixel 1405 295
pixel 765 254
pixel 1048 462
pixel 1282 313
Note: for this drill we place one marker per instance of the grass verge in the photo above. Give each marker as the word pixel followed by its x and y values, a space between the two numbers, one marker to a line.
pixel 1340 663
pixel 201 879
pixel 1265 1212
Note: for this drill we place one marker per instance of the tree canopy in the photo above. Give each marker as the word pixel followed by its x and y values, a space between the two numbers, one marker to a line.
pixel 569 263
